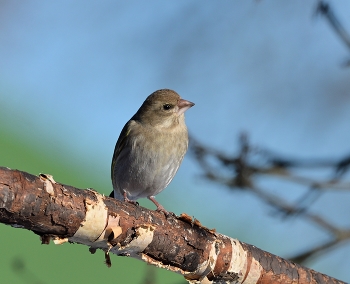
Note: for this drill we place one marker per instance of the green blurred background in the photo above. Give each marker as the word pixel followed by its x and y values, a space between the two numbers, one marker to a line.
pixel 24 259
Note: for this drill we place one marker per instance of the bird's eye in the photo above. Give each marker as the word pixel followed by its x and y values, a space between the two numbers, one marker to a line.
pixel 167 106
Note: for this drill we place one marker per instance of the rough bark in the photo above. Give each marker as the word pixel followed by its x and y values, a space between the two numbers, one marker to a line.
pixel 64 213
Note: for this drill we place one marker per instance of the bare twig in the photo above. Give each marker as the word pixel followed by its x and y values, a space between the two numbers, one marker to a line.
pixel 240 171
pixel 324 8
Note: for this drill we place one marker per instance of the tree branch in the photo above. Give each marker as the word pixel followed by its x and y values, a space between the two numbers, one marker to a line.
pixel 67 214
pixel 325 9
pixel 242 171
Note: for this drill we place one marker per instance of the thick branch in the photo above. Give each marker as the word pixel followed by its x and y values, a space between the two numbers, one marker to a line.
pixel 64 213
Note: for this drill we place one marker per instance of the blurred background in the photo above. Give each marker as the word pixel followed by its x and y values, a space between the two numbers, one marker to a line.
pixel 73 72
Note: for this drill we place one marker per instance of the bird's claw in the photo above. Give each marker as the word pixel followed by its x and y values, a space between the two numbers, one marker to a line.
pixel 160 208
pixel 126 199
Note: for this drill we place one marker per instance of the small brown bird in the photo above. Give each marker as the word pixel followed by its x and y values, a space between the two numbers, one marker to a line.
pixel 150 148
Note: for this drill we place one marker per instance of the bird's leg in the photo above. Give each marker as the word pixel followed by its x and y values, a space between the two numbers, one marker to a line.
pixel 126 199
pixel 160 208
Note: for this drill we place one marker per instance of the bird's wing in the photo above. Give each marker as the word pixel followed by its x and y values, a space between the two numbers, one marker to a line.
pixel 120 144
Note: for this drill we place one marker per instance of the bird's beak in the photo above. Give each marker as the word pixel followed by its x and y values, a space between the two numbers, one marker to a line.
pixel 183 106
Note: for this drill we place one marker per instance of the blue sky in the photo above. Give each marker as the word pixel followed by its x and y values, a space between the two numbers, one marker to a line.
pixel 76 71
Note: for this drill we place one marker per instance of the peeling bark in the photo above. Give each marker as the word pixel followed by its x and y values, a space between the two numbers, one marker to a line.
pixel 64 213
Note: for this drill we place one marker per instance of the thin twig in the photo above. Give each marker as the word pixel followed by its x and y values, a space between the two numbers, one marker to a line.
pixel 240 171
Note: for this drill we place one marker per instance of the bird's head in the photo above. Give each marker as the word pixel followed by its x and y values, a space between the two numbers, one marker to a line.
pixel 163 108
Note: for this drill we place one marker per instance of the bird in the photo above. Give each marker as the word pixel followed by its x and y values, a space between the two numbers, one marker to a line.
pixel 150 148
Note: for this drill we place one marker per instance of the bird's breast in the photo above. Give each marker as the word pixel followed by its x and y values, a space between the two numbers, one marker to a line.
pixel 149 162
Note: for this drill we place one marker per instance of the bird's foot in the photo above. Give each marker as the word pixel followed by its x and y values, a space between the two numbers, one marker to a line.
pixel 126 199
pixel 160 208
